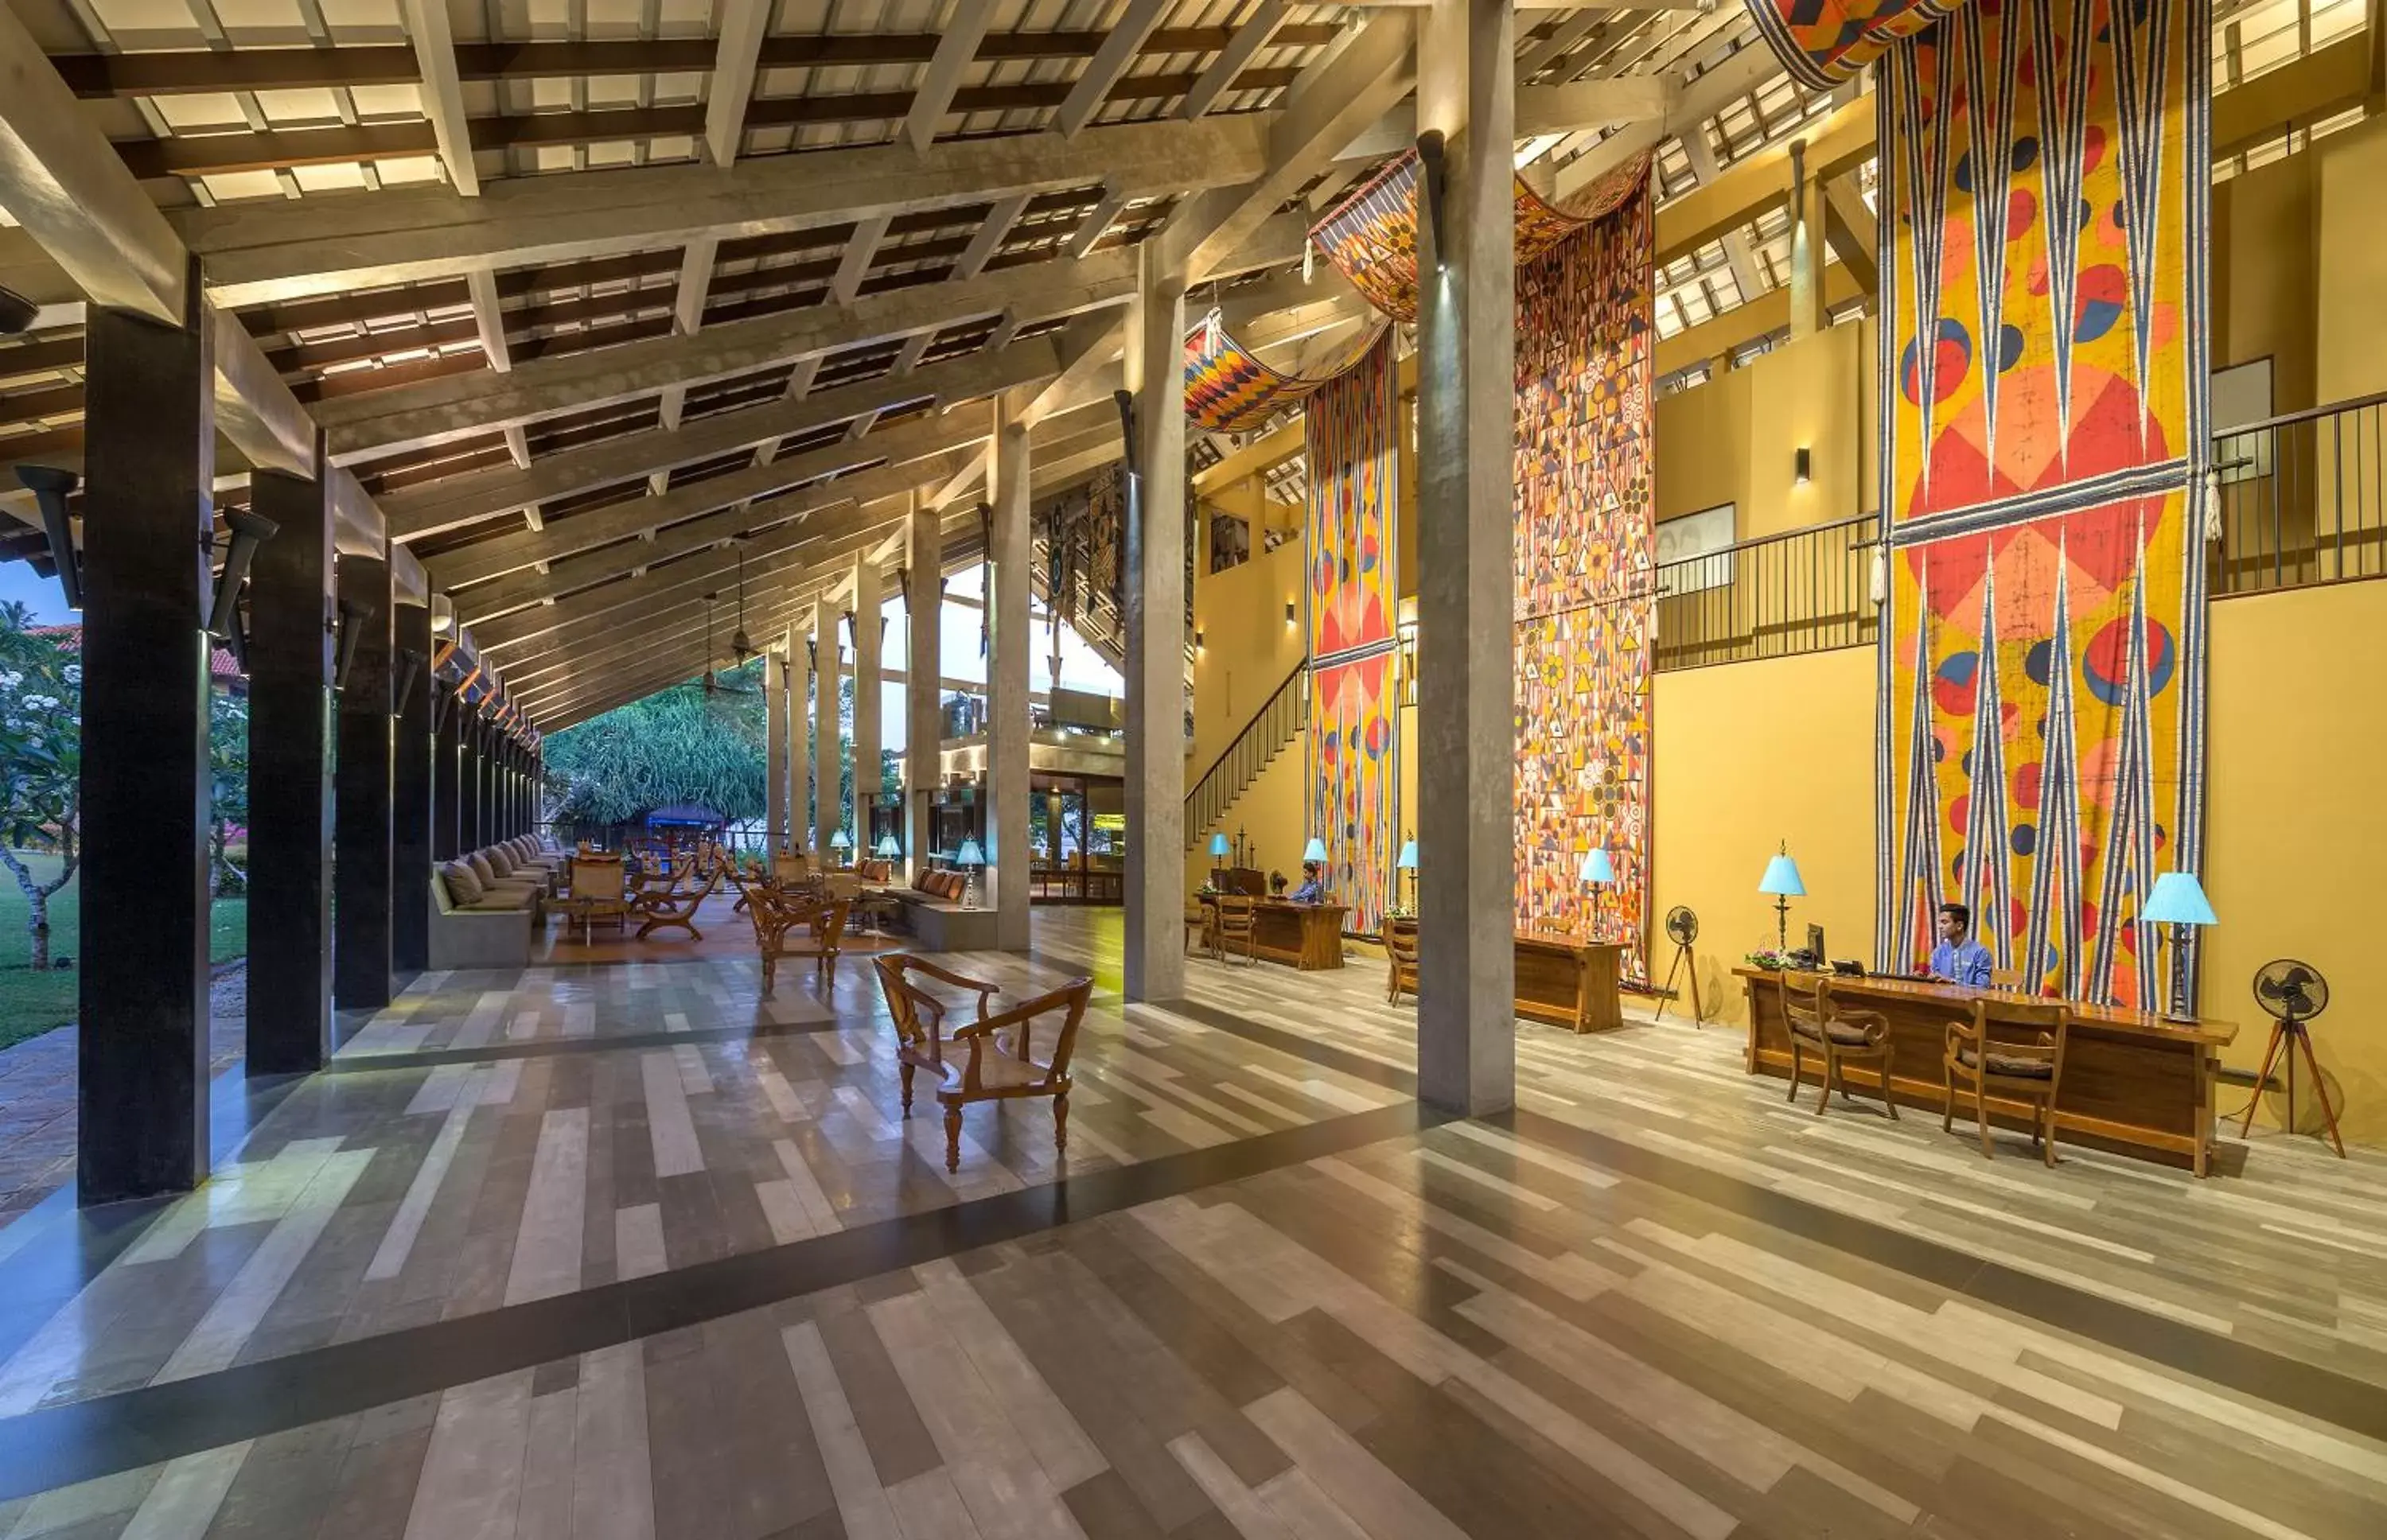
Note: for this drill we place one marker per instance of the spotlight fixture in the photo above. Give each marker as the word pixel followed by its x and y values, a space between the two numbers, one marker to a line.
pixel 352 621
pixel 1125 400
pixel 248 532
pixel 410 663
pixel 17 312
pixel 51 487
pixel 1430 166
pixel 1802 466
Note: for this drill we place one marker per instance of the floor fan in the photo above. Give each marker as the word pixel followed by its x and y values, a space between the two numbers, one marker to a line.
pixel 2293 993
pixel 1682 929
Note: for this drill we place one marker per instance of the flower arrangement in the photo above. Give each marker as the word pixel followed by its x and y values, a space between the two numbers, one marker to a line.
pixel 1775 961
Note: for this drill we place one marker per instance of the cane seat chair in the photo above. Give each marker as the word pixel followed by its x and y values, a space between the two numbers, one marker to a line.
pixel 993 1057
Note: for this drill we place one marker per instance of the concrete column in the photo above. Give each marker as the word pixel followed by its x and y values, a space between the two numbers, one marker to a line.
pixel 142 1054
pixel 361 839
pixel 1466 640
pixel 290 637
pixel 1010 644
pixel 1155 559
pixel 924 720
pixel 1807 246
pixel 869 603
pixel 797 650
pixel 828 813
pixel 775 749
pixel 410 798
pixel 469 773
pixel 446 755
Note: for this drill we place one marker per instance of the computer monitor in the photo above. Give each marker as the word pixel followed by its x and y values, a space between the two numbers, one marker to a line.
pixel 1815 943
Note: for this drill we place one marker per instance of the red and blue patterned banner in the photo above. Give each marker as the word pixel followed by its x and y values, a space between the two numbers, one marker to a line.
pixel 2043 207
pixel 1228 389
pixel 1824 43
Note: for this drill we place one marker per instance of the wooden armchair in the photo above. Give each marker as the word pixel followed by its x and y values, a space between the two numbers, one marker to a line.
pixel 1401 947
pixel 597 890
pixel 1002 1063
pixel 676 910
pixel 1835 1034
pixel 777 918
pixel 1235 928
pixel 1200 930
pixel 2012 1048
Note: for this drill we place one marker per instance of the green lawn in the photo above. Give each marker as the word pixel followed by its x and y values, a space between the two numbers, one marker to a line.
pixel 30 1003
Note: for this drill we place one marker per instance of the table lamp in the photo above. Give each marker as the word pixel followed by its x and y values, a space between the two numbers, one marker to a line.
pixel 1218 854
pixel 840 843
pixel 2178 902
pixel 970 859
pixel 1315 850
pixel 886 850
pixel 1599 874
pixel 1408 863
pixel 1781 880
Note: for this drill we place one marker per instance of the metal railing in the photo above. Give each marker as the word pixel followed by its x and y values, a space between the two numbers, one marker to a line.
pixel 1806 591
pixel 1263 737
pixel 2302 499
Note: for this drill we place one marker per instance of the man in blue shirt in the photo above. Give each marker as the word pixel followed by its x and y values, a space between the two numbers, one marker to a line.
pixel 1313 888
pixel 1958 959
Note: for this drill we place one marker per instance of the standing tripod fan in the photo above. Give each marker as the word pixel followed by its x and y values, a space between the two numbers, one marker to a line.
pixel 1682 929
pixel 2293 993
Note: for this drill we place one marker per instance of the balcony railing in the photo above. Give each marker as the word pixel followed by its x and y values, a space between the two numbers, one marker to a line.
pixel 1806 591
pixel 2304 499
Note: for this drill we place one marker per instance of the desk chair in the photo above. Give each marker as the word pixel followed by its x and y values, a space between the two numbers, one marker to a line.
pixel 1200 935
pixel 1835 1034
pixel 1401 947
pixel 2014 1050
pixel 1236 928
pixel 2006 980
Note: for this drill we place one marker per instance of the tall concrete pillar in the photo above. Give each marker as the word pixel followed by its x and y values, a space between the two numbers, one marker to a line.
pixel 828 811
pixel 794 647
pixel 869 605
pixel 924 717
pixel 149 447
pixel 409 797
pixel 1155 559
pixel 290 651
pixel 361 840
pixel 1467 495
pixel 1010 644
pixel 775 749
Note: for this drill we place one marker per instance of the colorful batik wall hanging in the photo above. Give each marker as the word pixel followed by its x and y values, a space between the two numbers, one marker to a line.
pixel 1585 549
pixel 1349 426
pixel 1229 388
pixel 2044 184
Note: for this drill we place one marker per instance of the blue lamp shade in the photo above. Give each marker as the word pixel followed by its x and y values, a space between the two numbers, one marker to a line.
pixel 840 841
pixel 1217 845
pixel 1317 851
pixel 971 855
pixel 1408 861
pixel 1595 868
pixel 887 847
pixel 1782 878
pixel 2178 900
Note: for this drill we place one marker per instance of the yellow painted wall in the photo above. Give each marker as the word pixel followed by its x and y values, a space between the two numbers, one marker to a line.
pixel 1270 814
pixel 1747 755
pixel 1733 439
pixel 2349 172
pixel 2297 810
pixel 2264 275
pixel 1247 649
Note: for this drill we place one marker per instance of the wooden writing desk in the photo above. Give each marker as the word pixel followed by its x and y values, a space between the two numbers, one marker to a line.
pixel 1568 981
pixel 2132 1082
pixel 1304 936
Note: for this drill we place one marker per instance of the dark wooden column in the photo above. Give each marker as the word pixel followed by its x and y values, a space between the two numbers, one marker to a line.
pixel 360 943
pixel 149 444
pixel 290 651
pixel 471 773
pixel 446 756
pixel 409 797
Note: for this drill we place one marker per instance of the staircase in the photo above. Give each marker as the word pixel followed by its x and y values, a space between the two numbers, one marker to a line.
pixel 1265 736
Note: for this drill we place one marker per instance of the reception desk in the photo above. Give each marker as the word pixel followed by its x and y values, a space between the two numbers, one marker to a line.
pixel 2135 1084
pixel 1568 981
pixel 1304 936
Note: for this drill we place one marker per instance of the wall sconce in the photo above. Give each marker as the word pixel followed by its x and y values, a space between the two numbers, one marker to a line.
pixel 248 532
pixel 1802 466
pixel 410 663
pixel 1429 149
pixel 1197 638
pixel 51 487
pixel 352 632
pixel 1289 616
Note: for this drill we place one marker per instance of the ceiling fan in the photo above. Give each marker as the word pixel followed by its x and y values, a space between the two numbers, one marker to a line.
pixel 739 642
pixel 713 684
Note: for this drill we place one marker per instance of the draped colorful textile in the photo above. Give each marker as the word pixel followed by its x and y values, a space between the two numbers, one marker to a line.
pixel 1350 425
pixel 1228 389
pixel 1586 550
pixel 1371 237
pixel 1823 43
pixel 2044 197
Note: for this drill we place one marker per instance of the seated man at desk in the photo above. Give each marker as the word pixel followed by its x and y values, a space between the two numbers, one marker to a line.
pixel 1958 959
pixel 1313 885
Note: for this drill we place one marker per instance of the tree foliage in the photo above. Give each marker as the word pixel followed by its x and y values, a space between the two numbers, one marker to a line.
pixel 683 744
pixel 41 763
pixel 227 791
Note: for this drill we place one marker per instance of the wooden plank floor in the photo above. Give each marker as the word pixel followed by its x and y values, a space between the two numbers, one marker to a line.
pixel 1264 1300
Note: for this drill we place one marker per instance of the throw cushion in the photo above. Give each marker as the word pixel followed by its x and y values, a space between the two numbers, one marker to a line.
pixel 463 886
pixel 481 867
pixel 501 861
pixel 927 875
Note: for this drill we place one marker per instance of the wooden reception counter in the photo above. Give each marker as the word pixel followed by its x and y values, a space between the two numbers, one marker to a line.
pixel 1568 981
pixel 1304 936
pixel 2131 1082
